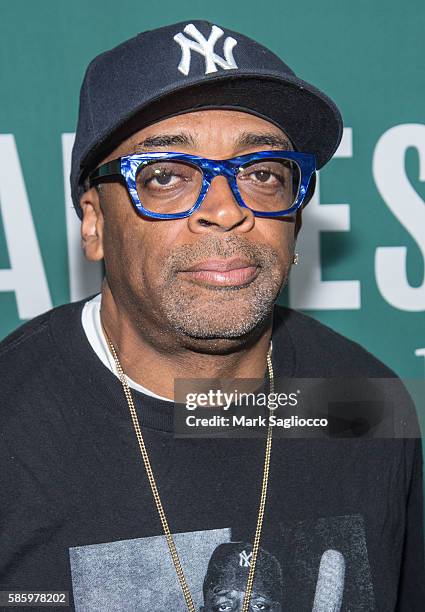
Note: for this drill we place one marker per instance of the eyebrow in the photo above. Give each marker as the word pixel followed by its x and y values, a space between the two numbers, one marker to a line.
pixel 257 139
pixel 166 140
pixel 244 140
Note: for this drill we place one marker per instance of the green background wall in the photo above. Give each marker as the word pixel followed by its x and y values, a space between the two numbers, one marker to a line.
pixel 367 55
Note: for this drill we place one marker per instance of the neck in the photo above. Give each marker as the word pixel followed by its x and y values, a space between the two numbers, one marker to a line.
pixel 154 358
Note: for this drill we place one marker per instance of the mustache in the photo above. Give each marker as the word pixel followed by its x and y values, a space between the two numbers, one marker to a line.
pixel 213 246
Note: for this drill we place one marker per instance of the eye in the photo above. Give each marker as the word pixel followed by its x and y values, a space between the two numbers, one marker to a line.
pixel 167 179
pixel 223 603
pixel 260 604
pixel 163 178
pixel 270 174
pixel 160 177
pixel 263 176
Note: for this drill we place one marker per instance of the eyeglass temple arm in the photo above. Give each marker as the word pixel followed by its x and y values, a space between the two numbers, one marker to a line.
pixel 106 171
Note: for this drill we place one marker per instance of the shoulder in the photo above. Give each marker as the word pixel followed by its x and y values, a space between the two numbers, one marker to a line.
pixel 36 371
pixel 321 351
pixel 34 331
pixel 32 347
pixel 24 335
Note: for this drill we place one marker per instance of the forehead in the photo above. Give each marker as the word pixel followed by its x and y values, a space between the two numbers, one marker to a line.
pixel 197 128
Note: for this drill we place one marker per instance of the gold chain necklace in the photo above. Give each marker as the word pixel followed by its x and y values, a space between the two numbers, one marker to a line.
pixel 158 503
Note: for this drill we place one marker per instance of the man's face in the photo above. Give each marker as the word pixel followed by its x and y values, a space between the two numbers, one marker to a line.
pixel 167 273
pixel 231 600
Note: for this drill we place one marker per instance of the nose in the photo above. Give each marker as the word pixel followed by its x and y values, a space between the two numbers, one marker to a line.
pixel 220 212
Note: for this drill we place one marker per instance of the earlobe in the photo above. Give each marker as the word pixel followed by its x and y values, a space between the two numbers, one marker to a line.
pixel 92 225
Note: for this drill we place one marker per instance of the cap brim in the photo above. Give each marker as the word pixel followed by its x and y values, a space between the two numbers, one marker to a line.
pixel 308 117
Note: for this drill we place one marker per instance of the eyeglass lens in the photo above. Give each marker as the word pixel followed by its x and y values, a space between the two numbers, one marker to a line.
pixel 266 185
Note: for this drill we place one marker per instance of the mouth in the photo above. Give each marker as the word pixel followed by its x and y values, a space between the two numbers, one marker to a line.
pixel 233 272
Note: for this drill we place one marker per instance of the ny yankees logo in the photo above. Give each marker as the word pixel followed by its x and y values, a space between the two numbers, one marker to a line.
pixel 206 48
pixel 244 559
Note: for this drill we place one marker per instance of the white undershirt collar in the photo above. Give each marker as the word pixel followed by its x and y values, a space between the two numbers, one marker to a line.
pixel 90 319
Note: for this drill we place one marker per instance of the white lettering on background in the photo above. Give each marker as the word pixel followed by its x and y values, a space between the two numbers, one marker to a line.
pixel 407 206
pixel 307 290
pixel 26 276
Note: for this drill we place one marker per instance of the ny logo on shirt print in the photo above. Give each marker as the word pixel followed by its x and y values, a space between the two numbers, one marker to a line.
pixel 322 566
pixel 245 559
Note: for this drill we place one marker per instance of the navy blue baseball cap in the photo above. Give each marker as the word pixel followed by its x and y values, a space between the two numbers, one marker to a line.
pixel 192 66
pixel 229 568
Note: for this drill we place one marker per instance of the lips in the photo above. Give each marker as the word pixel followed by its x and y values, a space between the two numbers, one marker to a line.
pixel 232 272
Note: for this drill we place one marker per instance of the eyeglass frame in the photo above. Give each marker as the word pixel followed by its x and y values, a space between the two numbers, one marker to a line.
pixel 126 168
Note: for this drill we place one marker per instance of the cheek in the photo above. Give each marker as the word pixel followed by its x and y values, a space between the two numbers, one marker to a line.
pixel 131 243
pixel 279 235
pixel 124 248
pixel 145 249
pixel 150 257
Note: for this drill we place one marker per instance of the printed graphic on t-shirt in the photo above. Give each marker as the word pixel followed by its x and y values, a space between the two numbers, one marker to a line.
pixel 312 565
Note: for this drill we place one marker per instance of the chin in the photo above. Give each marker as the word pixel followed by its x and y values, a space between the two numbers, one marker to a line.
pixel 222 321
pixel 220 314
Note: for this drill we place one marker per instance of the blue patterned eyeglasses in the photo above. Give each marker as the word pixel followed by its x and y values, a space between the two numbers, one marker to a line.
pixel 174 185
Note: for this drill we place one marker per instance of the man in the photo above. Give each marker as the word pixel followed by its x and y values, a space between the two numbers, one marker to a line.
pixel 227 573
pixel 191 165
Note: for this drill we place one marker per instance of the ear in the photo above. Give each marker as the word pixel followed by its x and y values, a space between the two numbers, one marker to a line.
pixel 92 225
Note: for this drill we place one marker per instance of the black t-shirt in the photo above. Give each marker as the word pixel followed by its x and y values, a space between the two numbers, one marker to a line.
pixel 343 520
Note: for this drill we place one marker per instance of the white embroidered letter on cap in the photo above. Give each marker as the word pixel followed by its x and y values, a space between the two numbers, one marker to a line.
pixel 245 559
pixel 206 48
